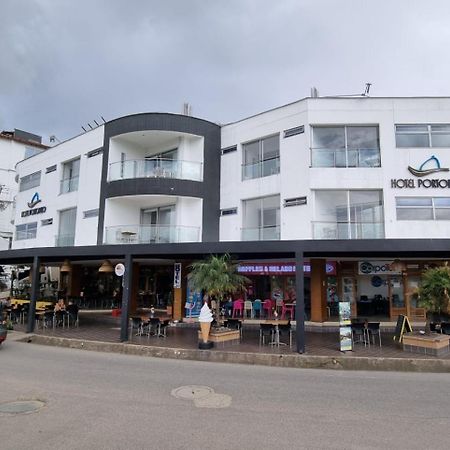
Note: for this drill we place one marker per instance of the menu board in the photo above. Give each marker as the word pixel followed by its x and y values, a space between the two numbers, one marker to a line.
pixel 345 330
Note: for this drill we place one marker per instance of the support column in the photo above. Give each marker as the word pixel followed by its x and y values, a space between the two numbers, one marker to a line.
pixel 134 289
pixel 35 283
pixel 179 294
pixel 318 291
pixel 300 303
pixel 126 298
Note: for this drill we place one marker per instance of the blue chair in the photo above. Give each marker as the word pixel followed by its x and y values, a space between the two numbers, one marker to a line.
pixel 257 308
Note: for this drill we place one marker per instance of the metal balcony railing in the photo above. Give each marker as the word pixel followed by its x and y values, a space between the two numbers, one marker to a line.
pixel 270 233
pixel 261 169
pixel 68 185
pixel 64 240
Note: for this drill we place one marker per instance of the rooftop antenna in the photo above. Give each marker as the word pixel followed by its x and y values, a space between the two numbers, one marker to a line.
pixel 314 92
pixel 366 90
pixel 187 109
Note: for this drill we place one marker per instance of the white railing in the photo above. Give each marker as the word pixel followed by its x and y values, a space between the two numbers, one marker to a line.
pixel 150 234
pixel 156 168
pixel 261 169
pixel 68 185
pixel 64 240
pixel 345 157
pixel 261 234
pixel 348 230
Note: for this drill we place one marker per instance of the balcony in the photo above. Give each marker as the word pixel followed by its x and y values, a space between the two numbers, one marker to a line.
pixel 64 240
pixel 150 234
pixel 348 230
pixel 156 168
pixel 68 185
pixel 271 233
pixel 342 157
pixel 261 169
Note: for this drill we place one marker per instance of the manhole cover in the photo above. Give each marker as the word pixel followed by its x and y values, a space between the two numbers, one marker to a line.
pixel 192 392
pixel 21 407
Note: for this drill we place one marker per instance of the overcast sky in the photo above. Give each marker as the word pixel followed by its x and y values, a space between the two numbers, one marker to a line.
pixel 64 63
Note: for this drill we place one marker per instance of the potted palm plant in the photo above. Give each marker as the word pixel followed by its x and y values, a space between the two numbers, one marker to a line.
pixel 217 277
pixel 434 293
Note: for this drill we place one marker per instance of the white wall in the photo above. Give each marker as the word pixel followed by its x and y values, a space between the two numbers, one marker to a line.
pixel 87 197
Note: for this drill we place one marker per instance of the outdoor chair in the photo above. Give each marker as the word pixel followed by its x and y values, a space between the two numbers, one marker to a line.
pixel 49 317
pixel 373 329
pixel 287 309
pixel 266 330
pixel 162 332
pixel 153 327
pixel 238 308
pixel 267 308
pixel 286 330
pixel 234 324
pixel 59 318
pixel 257 308
pixel 359 334
pixel 136 324
pixel 248 307
pixel 445 327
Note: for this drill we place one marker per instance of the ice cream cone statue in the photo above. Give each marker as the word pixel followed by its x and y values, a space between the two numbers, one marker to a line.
pixel 205 320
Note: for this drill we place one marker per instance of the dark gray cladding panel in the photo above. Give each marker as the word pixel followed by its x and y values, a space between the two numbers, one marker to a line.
pixel 208 190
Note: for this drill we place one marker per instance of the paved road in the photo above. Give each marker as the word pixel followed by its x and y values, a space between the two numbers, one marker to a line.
pixel 110 401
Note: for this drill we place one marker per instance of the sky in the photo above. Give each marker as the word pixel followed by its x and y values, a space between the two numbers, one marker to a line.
pixel 65 63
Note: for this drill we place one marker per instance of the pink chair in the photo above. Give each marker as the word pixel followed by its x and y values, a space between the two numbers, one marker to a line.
pixel 238 307
pixel 287 309
pixel 267 307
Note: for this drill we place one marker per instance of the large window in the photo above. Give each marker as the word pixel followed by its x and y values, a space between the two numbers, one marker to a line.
pixel 261 158
pixel 71 173
pixel 423 208
pixel 261 219
pixel 424 135
pixel 355 214
pixel 26 231
pixel 345 146
pixel 30 181
pixel 67 222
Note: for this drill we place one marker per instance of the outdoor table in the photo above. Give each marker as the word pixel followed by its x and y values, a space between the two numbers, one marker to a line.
pixel 276 322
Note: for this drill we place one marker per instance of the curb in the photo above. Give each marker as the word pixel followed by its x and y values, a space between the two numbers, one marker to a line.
pixel 263 359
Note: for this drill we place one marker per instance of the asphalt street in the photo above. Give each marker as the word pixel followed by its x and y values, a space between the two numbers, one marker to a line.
pixel 112 401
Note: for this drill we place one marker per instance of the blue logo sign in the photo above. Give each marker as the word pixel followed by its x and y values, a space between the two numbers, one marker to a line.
pixel 34 201
pixel 421 172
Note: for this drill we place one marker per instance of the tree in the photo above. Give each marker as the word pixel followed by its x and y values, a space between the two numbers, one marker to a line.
pixel 217 277
pixel 434 291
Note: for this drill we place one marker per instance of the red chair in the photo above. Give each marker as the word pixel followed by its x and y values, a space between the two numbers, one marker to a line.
pixel 287 309
pixel 267 306
pixel 238 307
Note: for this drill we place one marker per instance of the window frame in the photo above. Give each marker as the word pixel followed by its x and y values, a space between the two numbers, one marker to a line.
pixel 429 133
pixel 261 159
pixel 26 226
pixel 38 179
pixel 433 207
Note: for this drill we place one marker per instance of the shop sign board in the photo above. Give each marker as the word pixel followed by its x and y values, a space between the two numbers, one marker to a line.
pixel 376 268
pixel 345 330
pixel 177 275
pixel 281 268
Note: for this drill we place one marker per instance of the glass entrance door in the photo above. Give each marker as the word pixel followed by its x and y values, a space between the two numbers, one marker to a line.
pixel 157 224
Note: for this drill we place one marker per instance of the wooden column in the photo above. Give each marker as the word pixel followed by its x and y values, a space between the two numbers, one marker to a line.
pixel 179 295
pixel 300 302
pixel 318 291
pixel 134 288
pixel 74 288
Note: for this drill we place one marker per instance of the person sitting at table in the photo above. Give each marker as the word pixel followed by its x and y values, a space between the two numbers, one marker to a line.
pixel 60 306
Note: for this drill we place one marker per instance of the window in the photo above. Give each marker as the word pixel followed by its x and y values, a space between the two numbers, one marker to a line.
pixel 423 208
pixel 424 135
pixel 354 214
pixel 71 172
pixel 90 213
pixel 66 231
pixel 26 231
pixel 261 219
pixel 345 146
pixel 30 181
pixel 261 158
pixel 31 151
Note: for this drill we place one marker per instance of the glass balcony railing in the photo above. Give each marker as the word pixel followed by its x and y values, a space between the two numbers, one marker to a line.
pixel 261 169
pixel 64 240
pixel 271 233
pixel 345 157
pixel 68 185
pixel 156 168
pixel 150 234
pixel 348 230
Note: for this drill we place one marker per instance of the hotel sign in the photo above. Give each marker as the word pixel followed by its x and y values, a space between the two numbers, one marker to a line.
pixel 35 200
pixel 412 183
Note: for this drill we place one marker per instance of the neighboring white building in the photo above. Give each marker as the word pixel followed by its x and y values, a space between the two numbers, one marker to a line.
pixel 14 147
pixel 319 168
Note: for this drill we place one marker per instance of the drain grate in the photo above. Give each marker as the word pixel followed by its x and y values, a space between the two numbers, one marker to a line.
pixel 21 407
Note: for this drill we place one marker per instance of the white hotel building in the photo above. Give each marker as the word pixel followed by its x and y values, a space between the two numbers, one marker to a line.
pixel 355 182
